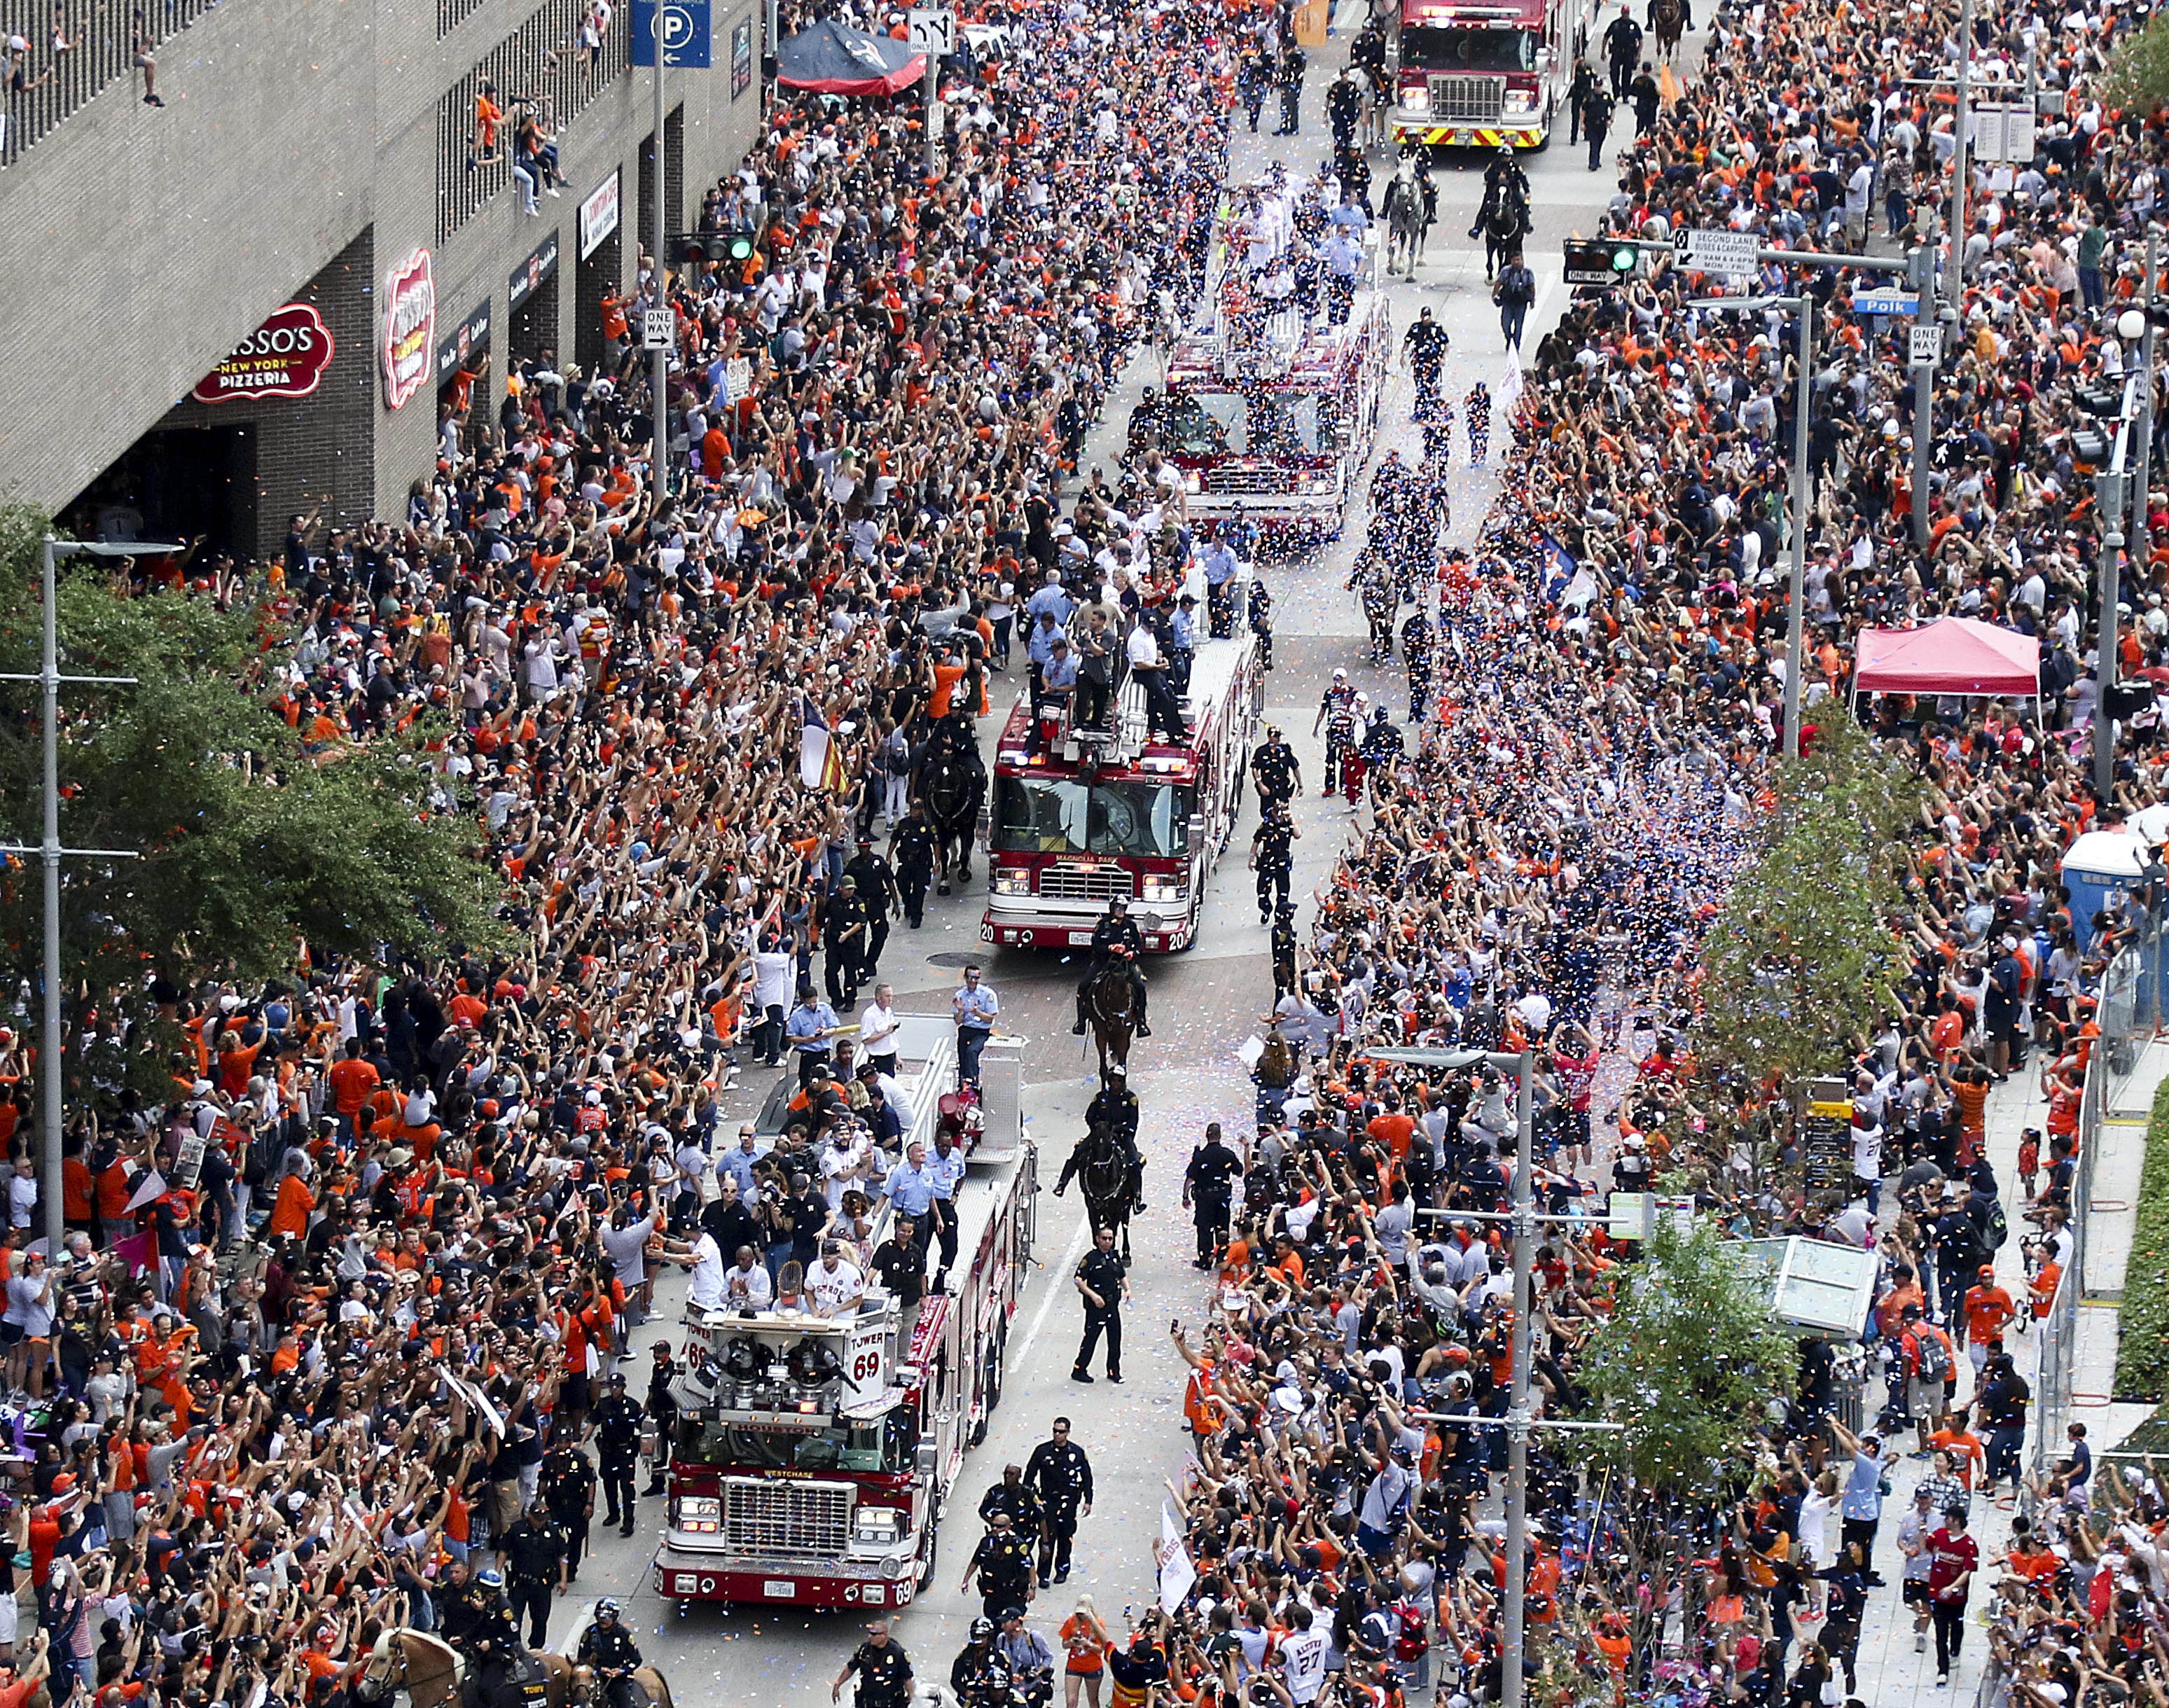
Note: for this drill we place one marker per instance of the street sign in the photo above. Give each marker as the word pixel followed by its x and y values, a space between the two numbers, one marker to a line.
pixel 687 33
pixel 1731 253
pixel 659 329
pixel 1885 301
pixel 1924 346
pixel 933 30
pixel 2003 131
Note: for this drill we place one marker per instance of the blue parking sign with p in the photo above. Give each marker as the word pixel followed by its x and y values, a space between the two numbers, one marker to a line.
pixel 687 34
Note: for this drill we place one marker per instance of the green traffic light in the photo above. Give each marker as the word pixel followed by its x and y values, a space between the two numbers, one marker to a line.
pixel 741 248
pixel 1623 260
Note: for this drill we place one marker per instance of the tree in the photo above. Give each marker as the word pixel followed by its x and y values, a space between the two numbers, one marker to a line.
pixel 1799 965
pixel 251 848
pixel 2137 80
pixel 1687 1366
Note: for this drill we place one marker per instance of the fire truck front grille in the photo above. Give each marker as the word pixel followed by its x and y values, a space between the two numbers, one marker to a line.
pixel 1242 480
pixel 786 1518
pixel 1467 100
pixel 1084 883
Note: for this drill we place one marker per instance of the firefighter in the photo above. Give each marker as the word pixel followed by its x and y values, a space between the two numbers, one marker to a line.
pixel 1002 1563
pixel 1272 856
pixel 1274 768
pixel 1114 1107
pixel 1336 716
pixel 1059 1471
pixel 913 850
pixel 1116 934
pixel 568 1494
pixel 662 1415
pixel 532 1553
pixel 1208 1190
pixel 617 1438
pixel 608 1647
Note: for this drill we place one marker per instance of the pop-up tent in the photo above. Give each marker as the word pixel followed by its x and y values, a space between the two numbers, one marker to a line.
pixel 834 59
pixel 1952 655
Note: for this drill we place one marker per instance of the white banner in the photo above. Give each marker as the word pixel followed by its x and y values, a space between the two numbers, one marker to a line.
pixel 1176 1573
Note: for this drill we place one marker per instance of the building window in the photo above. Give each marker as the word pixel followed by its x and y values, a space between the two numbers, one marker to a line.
pixel 549 69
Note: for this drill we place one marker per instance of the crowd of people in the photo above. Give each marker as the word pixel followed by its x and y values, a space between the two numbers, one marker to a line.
pixel 1617 630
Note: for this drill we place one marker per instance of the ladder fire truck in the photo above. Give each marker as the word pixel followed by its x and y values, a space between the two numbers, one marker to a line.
pixel 1476 75
pixel 1271 415
pixel 1076 816
pixel 814 1456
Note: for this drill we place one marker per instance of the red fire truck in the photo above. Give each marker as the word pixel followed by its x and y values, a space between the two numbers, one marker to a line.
pixel 814 1456
pixel 1476 76
pixel 1072 820
pixel 1270 419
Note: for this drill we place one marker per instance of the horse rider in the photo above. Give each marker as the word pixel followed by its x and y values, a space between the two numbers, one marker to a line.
pixel 486 1635
pixel 1116 934
pixel 608 1646
pixel 1506 185
pixel 953 735
pixel 1114 1107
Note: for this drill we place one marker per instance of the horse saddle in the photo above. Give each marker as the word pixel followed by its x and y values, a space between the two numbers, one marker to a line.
pixel 526 1684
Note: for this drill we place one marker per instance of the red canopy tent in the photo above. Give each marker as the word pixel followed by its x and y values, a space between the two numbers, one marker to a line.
pixel 1952 655
pixel 834 59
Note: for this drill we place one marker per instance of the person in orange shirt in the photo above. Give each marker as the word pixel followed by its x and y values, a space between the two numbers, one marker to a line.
pixel 352 1081
pixel 291 1210
pixel 1988 1308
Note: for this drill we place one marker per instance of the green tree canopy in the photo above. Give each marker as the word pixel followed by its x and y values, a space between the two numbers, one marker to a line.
pixel 251 847
pixel 2138 76
pixel 1801 962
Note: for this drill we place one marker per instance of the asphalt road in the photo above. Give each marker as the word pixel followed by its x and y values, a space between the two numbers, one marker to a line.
pixel 1206 1003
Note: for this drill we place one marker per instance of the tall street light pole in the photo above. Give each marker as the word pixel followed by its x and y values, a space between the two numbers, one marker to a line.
pixel 658 462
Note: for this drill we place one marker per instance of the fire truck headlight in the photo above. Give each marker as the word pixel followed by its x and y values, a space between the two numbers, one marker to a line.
pixel 877 1525
pixel 1012 883
pixel 700 1514
pixel 1162 889
pixel 1519 101
pixel 1416 99
pixel 1193 482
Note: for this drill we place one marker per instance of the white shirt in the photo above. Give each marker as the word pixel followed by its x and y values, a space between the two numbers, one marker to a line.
pixel 828 1285
pixel 745 1286
pixel 1302 1655
pixel 707 1289
pixel 877 1031
pixel 1144 649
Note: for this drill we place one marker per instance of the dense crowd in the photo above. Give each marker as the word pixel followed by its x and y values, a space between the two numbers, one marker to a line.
pixel 1617 631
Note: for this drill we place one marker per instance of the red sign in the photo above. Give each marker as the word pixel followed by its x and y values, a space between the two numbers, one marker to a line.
pixel 410 327
pixel 285 357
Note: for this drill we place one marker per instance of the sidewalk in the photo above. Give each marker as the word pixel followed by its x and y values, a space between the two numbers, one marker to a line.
pixel 1889 1670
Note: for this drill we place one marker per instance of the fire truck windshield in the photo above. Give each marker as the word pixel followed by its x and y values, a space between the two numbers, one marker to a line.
pixel 878 1444
pixel 1263 424
pixel 1433 49
pixel 1062 815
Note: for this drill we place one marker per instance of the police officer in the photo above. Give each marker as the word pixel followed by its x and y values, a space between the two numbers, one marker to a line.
pixel 1018 1498
pixel 1283 949
pixel 608 1646
pixel 1382 747
pixel 1336 716
pixel 1208 1189
pixel 1272 857
pixel 1116 933
pixel 1503 182
pixel 1261 622
pixel 617 1438
pixel 1002 1563
pixel 568 1485
pixel 911 848
pixel 1416 639
pixel 1115 1106
pixel 460 1606
pixel 980 1673
pixel 1062 1477
pixel 844 929
pixel 532 1554
pixel 492 1646
pixel 878 896
pixel 1275 770
pixel 662 1412
pixel 884 1672
pixel 1102 1281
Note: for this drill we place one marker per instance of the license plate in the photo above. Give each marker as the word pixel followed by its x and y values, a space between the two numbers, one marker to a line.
pixel 1080 939
pixel 779 1589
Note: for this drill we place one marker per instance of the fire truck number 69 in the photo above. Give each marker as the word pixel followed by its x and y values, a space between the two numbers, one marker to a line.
pixel 866 1366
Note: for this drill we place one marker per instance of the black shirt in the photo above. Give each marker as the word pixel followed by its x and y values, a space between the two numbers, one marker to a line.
pixel 1102 1271
pixel 884 1674
pixel 534 1551
pixel 901 1268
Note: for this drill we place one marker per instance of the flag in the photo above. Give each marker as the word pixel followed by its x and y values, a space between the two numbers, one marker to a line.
pixel 1559 567
pixel 1176 1573
pixel 1507 400
pixel 814 743
pixel 148 1190
pixel 1670 90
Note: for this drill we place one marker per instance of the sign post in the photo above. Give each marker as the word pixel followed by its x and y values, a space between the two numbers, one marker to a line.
pixel 933 32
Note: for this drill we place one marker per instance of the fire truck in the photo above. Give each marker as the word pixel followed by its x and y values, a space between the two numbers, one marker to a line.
pixel 1075 816
pixel 814 1456
pixel 1271 416
pixel 1476 76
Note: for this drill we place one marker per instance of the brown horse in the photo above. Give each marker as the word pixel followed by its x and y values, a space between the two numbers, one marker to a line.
pixel 1667 23
pixel 427 1671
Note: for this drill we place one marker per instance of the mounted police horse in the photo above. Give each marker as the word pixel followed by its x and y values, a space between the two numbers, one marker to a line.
pixel 1407 219
pixel 1668 21
pixel 950 787
pixel 1111 1004
pixel 1110 1185
pixel 1505 223
pixel 426 1672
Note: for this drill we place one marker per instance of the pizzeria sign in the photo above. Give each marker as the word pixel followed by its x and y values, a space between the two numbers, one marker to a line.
pixel 285 357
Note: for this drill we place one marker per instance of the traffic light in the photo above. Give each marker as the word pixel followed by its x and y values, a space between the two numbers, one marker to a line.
pixel 2127 699
pixel 1601 261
